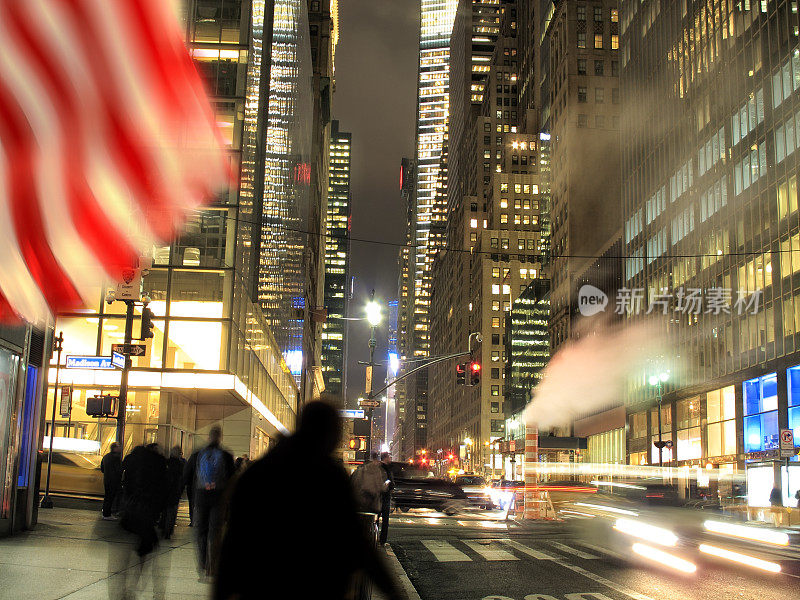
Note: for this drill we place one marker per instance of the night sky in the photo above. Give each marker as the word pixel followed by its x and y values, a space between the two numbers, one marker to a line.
pixel 375 99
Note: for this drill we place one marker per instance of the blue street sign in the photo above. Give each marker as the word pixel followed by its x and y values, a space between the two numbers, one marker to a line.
pixel 118 360
pixel 350 413
pixel 90 362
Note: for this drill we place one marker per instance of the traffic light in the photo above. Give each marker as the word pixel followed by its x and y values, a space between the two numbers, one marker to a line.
pixel 461 374
pixel 147 324
pixel 101 406
pixel 474 373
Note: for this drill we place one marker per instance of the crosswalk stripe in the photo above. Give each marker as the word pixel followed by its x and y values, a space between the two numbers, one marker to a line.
pixel 602 550
pixel 571 550
pixel 537 554
pixel 445 552
pixel 488 552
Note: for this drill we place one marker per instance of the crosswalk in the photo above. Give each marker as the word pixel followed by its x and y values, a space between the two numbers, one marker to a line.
pixel 504 549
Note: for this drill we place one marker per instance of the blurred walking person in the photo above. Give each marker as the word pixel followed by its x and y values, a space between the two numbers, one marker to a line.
pixel 210 469
pixel 111 467
pixel 776 506
pixel 176 465
pixel 386 496
pixel 368 485
pixel 299 499
pixel 144 480
pixel 242 462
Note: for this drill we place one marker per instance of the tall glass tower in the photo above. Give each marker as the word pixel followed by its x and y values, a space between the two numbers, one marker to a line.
pixel 337 262
pixel 433 104
pixel 287 180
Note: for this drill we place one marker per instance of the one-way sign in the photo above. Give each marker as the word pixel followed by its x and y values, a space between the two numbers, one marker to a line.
pixel 130 349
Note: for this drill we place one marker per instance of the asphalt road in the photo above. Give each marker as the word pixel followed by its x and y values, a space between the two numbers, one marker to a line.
pixel 479 557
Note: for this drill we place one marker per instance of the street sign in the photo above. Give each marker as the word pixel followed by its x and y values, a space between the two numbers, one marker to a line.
pixel 89 362
pixel 130 349
pixel 369 403
pixel 65 406
pixel 787 443
pixel 350 413
pixel 130 288
pixel 118 360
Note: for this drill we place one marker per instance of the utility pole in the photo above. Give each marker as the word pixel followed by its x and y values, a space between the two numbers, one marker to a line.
pixel 123 386
pixel 58 346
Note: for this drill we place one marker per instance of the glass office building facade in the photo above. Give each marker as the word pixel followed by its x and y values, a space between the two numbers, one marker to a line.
pixel 337 264
pixel 213 358
pixel 710 204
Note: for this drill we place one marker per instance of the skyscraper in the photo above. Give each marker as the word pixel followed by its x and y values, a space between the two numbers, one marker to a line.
pixel 337 263
pixel 432 111
pixel 711 128
pixel 287 181
pixel 436 24
pixel 496 246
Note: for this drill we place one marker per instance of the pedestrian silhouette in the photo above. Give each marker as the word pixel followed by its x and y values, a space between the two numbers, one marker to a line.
pixel 386 497
pixel 176 465
pixel 210 469
pixel 144 487
pixel 368 483
pixel 293 529
pixel 111 467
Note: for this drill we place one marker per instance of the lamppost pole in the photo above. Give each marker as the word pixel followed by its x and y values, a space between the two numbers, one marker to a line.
pixel 660 441
pixel 374 318
pixel 657 381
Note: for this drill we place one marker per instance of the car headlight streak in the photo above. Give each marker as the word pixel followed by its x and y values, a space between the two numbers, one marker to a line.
pixel 663 558
pixel 744 559
pixel 746 532
pixel 611 509
pixel 651 533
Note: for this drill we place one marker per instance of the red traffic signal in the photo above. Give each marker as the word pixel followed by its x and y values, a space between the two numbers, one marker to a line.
pixel 475 373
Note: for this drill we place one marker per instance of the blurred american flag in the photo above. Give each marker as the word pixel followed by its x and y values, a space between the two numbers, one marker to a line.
pixel 107 140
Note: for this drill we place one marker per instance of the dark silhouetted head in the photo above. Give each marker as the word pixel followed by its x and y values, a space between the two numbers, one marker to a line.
pixel 115 447
pixel 374 456
pixel 386 457
pixel 215 436
pixel 319 427
pixel 176 452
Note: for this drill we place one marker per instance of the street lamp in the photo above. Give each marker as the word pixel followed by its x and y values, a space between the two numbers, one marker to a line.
pixel 657 381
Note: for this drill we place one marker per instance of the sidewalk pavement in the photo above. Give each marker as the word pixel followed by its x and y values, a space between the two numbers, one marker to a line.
pixel 74 554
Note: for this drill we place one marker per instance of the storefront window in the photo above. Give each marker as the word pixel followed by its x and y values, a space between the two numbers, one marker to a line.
pixel 197 345
pixel 639 425
pixel 793 380
pixel 761 413
pixel 689 444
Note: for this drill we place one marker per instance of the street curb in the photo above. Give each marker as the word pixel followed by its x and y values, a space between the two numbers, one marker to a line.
pixel 400 574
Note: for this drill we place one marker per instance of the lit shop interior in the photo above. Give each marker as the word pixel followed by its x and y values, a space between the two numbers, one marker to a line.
pixel 211 361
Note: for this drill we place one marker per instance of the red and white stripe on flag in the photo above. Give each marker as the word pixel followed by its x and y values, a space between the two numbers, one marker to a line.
pixel 107 140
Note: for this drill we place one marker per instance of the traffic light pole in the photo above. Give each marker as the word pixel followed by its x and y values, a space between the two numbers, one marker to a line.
pixel 123 386
pixel 371 395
